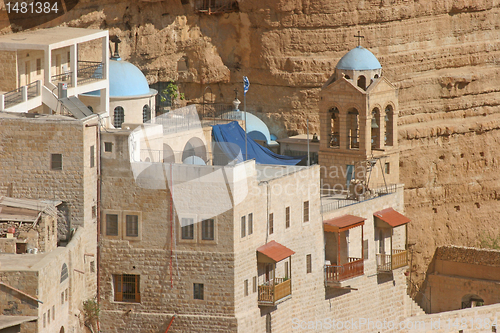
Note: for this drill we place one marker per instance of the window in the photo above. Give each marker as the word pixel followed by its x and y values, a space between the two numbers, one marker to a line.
pixel 48 316
pixel 108 147
pixel 187 228
pixel 62 298
pixel 119 117
pixel 132 225
pixel 308 263
pixel 94 211
pixel 64 272
pixel 92 156
pixel 387 168
pixel 198 290
pixel 69 58
pixel 56 161
pixel 39 66
pixel 146 113
pixel 365 249
pixel 44 321
pixel 250 223
pixel 208 229
pixel 127 288
pixel 287 217
pixel 243 226
pixel 92 266
pixel 271 223
pixel 53 312
pixel 66 294
pixel 245 285
pixel 111 224
pixel 254 284
pixel 306 211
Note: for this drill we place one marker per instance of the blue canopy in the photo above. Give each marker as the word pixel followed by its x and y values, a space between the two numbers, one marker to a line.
pixel 230 140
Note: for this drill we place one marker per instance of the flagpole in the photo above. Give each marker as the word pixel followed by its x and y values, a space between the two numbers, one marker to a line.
pixel 245 108
pixel 308 154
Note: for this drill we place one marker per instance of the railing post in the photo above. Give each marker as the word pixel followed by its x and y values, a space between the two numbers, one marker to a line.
pixel 24 93
pixel 38 87
pixel 2 102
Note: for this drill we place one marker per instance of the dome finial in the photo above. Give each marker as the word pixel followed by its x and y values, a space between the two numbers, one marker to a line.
pixel 115 39
pixel 358 36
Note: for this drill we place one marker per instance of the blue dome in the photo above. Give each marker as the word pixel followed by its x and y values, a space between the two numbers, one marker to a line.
pixel 358 59
pixel 256 128
pixel 125 79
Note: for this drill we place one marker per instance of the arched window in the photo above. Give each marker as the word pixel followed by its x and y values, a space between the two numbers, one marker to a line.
pixel 194 147
pixel 347 76
pixel 168 154
pixel 375 76
pixel 64 272
pixel 334 127
pixel 353 128
pixel 389 132
pixel 362 82
pixel 146 113
pixel 375 127
pixel 119 117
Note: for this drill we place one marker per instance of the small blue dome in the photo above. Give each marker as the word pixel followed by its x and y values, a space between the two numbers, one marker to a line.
pixel 125 79
pixel 358 59
pixel 256 128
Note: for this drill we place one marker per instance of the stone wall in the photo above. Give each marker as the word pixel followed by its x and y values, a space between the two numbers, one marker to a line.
pixel 8 67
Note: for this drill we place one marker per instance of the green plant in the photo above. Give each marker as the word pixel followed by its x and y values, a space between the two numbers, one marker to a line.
pixel 172 90
pixel 91 314
pixel 489 241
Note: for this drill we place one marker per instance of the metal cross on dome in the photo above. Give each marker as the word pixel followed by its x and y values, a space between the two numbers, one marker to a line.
pixel 358 36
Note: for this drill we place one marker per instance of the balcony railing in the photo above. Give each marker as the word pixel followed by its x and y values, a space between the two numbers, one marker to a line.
pixel 335 274
pixel 13 97
pixel 20 95
pixel 66 77
pixel 274 290
pixel 387 262
pixel 89 71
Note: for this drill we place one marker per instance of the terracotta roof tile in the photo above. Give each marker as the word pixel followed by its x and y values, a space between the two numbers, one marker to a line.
pixel 275 251
pixel 391 217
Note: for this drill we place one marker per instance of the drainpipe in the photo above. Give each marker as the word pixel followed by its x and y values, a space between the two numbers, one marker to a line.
pixel 99 183
pixel 170 324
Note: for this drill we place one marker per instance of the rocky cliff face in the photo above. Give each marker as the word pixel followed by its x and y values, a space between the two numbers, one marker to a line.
pixel 442 55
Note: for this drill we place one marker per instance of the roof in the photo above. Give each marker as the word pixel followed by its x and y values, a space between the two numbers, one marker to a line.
pixel 9 321
pixel 391 217
pixel 256 128
pixel 358 59
pixel 41 39
pixel 342 223
pixel 125 80
pixel 24 210
pixel 275 251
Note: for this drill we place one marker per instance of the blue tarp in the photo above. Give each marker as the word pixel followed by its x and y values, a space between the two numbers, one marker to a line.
pixel 230 139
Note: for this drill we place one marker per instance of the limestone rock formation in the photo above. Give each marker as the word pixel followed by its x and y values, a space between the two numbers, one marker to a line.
pixel 442 55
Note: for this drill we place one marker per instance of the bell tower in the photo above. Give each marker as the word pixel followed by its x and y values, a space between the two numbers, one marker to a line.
pixel 358 111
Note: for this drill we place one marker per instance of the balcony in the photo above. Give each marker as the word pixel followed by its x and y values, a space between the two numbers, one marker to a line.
pixel 88 72
pixel 20 95
pixel 335 274
pixel 387 262
pixel 274 290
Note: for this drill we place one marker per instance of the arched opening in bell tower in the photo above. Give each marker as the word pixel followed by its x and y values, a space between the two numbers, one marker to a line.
pixel 334 127
pixel 375 128
pixel 353 128
pixel 362 82
pixel 389 133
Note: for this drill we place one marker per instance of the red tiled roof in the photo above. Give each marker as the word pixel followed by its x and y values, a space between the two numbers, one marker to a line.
pixel 391 217
pixel 275 251
pixel 342 223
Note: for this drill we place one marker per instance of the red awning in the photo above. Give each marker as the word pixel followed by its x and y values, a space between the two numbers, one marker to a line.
pixel 343 223
pixel 275 251
pixel 391 217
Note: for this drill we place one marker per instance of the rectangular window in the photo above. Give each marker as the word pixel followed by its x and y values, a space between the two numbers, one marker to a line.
pixel 92 156
pixel 132 227
pixel 111 225
pixel 306 211
pixel 108 147
pixel 243 226
pixel 44 320
pixel 53 312
pixel 271 223
pixel 94 211
pixel 48 316
pixel 39 66
pixel 250 223
pixel 69 58
pixel 208 229
pixel 365 249
pixel 308 263
pixel 187 228
pixel 245 285
pixel 254 284
pixel 127 288
pixel 66 292
pixel 92 267
pixel 56 161
pixel 62 298
pixel 387 168
pixel 198 290
pixel 287 217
